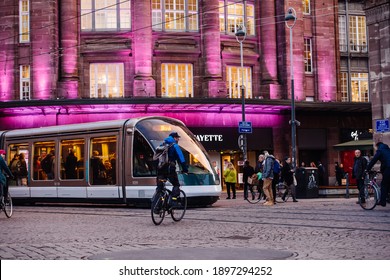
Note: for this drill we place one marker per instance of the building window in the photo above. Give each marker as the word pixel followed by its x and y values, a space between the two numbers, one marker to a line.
pixel 232 15
pixel 25 82
pixel 106 80
pixel 308 56
pixel 72 159
pixel 24 21
pixel 176 80
pixel 235 77
pixel 102 162
pixel 306 7
pixel 176 15
pixel 105 15
pixel 344 86
pixel 343 33
pixel 357 34
pixel 359 87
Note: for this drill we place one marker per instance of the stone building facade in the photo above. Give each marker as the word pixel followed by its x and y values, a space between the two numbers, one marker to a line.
pixel 78 61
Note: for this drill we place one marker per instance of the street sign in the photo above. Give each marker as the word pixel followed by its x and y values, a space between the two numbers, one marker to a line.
pixel 382 126
pixel 244 127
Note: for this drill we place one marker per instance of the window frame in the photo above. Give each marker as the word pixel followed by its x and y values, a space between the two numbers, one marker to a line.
pixel 92 13
pixel 25 90
pixel 362 79
pixel 248 82
pixel 24 19
pixel 94 84
pixel 224 17
pixel 308 55
pixel 306 9
pixel 357 33
pixel 165 77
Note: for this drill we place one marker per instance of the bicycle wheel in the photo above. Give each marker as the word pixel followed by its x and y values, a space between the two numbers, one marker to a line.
pixel 281 190
pixel 8 207
pixel 178 210
pixel 255 194
pixel 371 197
pixel 158 209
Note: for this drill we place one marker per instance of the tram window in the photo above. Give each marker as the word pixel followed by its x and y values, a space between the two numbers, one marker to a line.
pixel 18 160
pixel 143 157
pixel 103 160
pixel 72 159
pixel 44 160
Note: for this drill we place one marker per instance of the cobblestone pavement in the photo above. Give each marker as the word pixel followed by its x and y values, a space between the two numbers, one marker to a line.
pixel 332 228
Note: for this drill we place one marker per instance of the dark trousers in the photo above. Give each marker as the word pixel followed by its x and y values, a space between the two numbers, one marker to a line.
pixel 170 175
pixel 275 181
pixel 385 185
pixel 233 187
pixel 360 186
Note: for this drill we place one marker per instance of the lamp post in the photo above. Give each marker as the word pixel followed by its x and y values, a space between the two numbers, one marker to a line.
pixel 240 37
pixel 290 20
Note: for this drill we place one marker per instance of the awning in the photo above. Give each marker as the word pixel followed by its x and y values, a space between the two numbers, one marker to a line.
pixel 355 145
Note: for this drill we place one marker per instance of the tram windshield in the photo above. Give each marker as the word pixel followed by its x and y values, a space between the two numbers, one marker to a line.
pixel 199 166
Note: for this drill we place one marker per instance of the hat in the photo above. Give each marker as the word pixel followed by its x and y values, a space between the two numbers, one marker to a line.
pixel 174 134
pixel 2 152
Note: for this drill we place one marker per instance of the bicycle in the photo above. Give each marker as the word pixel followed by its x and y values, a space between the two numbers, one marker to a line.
pixel 372 191
pixel 255 194
pixel 6 204
pixel 162 205
pixel 283 192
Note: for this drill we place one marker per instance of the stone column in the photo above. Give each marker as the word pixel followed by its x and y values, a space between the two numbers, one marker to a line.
pixel 213 84
pixel 144 84
pixel 269 86
pixel 69 75
pixel 378 23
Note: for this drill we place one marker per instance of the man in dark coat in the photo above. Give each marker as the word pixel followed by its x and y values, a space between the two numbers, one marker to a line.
pixel 383 155
pixel 359 165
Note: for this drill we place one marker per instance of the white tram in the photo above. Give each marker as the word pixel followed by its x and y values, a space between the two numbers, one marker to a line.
pixel 103 162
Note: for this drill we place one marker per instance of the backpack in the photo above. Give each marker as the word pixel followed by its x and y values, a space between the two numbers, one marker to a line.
pixel 46 164
pixel 161 155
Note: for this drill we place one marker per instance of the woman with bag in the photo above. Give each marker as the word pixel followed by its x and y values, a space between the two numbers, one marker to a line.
pixel 288 178
pixel 230 176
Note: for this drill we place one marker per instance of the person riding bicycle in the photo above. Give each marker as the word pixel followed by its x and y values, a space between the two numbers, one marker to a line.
pixel 383 155
pixel 3 180
pixel 175 154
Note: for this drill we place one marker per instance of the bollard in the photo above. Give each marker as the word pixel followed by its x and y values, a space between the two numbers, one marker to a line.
pixel 346 185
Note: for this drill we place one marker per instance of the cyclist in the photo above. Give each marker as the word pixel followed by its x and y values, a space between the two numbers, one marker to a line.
pixel 3 180
pixel 175 154
pixel 383 155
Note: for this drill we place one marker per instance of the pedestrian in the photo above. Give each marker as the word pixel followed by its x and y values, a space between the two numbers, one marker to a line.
pixel 268 175
pixel 21 178
pixel 99 176
pixel 216 169
pixel 359 165
pixel 14 166
pixel 47 165
pixel 247 173
pixel 71 166
pixel 4 170
pixel 230 176
pixel 321 174
pixel 287 175
pixel 383 155
pixel 339 173
pixel 276 178
pixel 259 172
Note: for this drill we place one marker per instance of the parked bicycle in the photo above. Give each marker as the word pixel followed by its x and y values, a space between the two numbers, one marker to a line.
pixel 162 205
pixel 372 191
pixel 255 194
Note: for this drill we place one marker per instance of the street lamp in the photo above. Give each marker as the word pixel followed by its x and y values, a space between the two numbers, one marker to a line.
pixel 240 37
pixel 290 20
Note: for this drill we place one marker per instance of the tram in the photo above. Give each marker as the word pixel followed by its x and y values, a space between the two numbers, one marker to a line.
pixel 103 162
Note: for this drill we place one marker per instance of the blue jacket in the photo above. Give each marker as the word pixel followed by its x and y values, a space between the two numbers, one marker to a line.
pixel 383 155
pixel 175 154
pixel 4 168
pixel 268 167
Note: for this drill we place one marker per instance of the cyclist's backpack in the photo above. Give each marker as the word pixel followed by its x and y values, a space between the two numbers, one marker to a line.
pixel 161 155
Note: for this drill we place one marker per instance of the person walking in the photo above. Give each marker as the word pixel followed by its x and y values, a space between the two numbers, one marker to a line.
pixel 230 176
pixel 21 178
pixel 259 172
pixel 287 174
pixel 276 178
pixel 383 155
pixel 248 171
pixel 359 165
pixel 268 175
pixel 71 166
